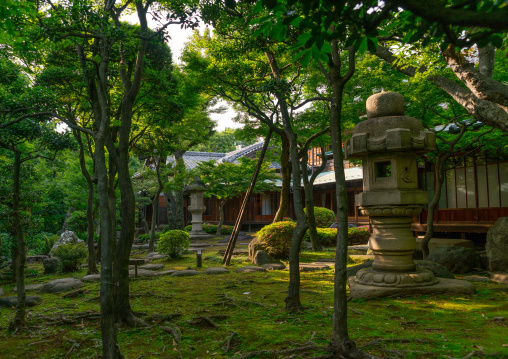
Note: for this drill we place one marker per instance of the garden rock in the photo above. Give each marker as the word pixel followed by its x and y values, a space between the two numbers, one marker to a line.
pixel 456 259
pixel 436 268
pixel 261 257
pixel 140 247
pixel 52 265
pixel 359 248
pixel 312 267
pixel 477 278
pixel 274 266
pixel 67 237
pixel 185 273
pixel 92 278
pixel 36 259
pixel 152 266
pixel 497 246
pixel 241 238
pixel 2 292
pixel 250 269
pixel 254 246
pixel 31 300
pixel 166 272
pixel 216 270
pixel 61 285
pixel 142 273
pixel 499 278
pixel 30 288
pixel 154 255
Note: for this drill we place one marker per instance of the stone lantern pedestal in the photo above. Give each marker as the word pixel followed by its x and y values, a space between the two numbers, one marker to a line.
pixel 197 208
pixel 388 143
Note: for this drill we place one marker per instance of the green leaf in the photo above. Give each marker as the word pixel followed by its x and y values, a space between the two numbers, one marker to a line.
pixel 258 7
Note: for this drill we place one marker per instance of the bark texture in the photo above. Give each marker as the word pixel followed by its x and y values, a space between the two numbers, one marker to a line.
pixel 285 172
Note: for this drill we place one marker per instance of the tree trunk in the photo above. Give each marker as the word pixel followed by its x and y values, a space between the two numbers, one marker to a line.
pixel 285 171
pixel 155 205
pixel 169 199
pixel 238 224
pixel 308 185
pixel 222 203
pixel 292 300
pixel 110 349
pixel 92 256
pixel 20 318
pixel 179 217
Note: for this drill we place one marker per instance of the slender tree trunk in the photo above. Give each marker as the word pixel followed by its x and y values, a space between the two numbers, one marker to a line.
pixel 155 205
pixel 110 349
pixel 169 199
pixel 20 318
pixel 239 220
pixel 178 195
pixel 292 300
pixel 222 203
pixel 308 185
pixel 440 169
pixel 285 171
pixel 341 345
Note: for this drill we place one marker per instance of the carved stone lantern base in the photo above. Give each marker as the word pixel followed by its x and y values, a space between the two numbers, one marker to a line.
pixel 443 286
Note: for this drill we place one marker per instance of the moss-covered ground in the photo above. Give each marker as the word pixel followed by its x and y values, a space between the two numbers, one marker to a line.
pixel 252 306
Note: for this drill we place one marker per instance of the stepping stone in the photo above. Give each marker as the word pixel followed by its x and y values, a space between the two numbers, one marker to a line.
pixel 360 248
pixel 250 269
pixel 199 245
pixel 499 278
pixel 477 278
pixel 241 238
pixel 152 266
pixel 274 266
pixel 216 270
pixel 140 246
pixel 61 285
pixel 30 288
pixel 142 273
pixel 312 267
pixel 31 300
pixel 195 249
pixel 154 255
pixel 326 260
pixel 185 273
pixel 166 272
pixel 236 252
pixel 92 278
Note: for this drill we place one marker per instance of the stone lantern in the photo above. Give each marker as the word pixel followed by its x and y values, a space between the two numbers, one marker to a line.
pixel 388 143
pixel 197 208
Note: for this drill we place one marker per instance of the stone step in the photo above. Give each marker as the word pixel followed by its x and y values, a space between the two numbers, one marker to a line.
pixel 445 242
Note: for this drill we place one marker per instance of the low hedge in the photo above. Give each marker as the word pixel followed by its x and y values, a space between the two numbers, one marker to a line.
pixel 212 229
pixel 328 236
pixel 324 217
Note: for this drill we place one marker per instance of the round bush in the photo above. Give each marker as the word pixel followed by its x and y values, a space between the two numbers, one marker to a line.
pixel 324 217
pixel 188 228
pixel 71 255
pixel 327 236
pixel 358 235
pixel 173 243
pixel 275 238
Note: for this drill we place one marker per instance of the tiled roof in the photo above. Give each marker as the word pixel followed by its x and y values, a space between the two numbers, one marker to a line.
pixel 353 173
pixel 192 158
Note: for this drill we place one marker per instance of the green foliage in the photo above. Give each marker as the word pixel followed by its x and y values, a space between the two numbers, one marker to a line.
pixel 275 238
pixel 146 237
pixel 7 242
pixel 212 228
pixel 173 243
pixel 324 217
pixel 40 243
pixel 71 255
pixel 77 222
pixel 225 141
pixel 355 235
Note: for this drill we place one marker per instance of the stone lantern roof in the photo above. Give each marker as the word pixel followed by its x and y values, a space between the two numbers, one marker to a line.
pixel 388 130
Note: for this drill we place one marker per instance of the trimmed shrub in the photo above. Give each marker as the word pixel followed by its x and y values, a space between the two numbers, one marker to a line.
pixel 146 237
pixel 275 238
pixel 71 255
pixel 358 235
pixel 324 217
pixel 328 236
pixel 173 243
pixel 52 265
pixel 188 228
pixel 77 222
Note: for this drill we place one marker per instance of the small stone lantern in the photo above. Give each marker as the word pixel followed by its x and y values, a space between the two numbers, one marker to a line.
pixel 197 208
pixel 388 143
